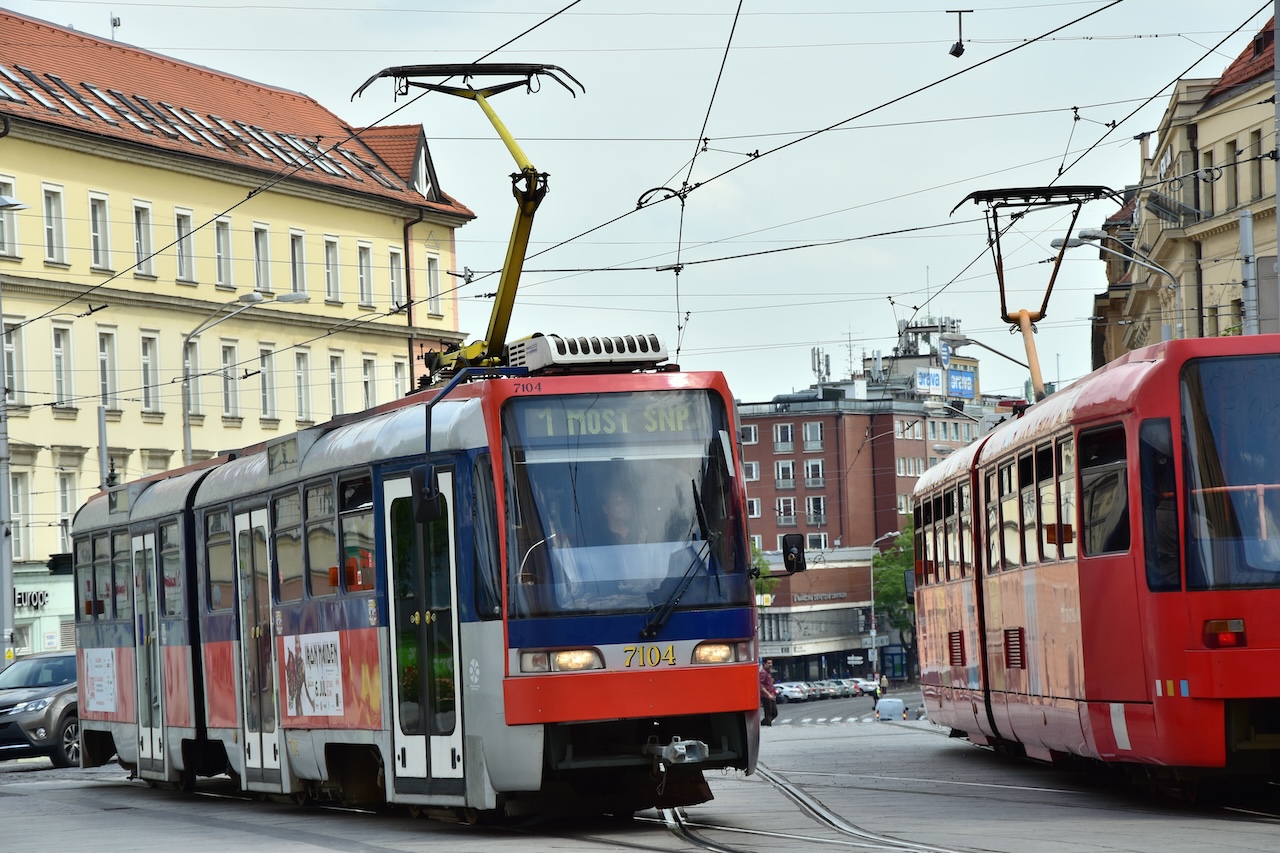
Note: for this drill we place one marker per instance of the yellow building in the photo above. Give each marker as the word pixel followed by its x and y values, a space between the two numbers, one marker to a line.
pixel 1206 169
pixel 162 221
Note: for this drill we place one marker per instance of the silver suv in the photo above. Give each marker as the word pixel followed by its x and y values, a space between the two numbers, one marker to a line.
pixel 38 712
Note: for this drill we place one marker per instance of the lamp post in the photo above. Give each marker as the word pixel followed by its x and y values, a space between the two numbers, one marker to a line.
pixel 7 627
pixel 1133 256
pixel 874 655
pixel 955 340
pixel 247 301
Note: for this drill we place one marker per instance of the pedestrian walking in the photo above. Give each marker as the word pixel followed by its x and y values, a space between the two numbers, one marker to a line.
pixel 768 698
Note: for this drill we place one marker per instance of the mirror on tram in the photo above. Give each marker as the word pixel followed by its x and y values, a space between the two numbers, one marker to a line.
pixel 427 503
pixel 793 552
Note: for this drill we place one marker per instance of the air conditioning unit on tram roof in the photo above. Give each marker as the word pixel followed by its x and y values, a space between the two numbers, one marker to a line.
pixel 553 353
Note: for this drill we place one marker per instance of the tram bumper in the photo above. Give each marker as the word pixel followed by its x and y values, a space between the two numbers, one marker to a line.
pixel 677 752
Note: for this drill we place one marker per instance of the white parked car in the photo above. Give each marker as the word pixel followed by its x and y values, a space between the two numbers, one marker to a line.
pixel 790 691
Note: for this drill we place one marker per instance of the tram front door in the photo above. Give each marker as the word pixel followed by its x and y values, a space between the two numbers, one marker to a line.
pixel 257 673
pixel 427 709
pixel 147 656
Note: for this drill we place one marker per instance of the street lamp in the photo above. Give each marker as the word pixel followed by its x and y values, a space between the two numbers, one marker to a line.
pixel 955 340
pixel 874 656
pixel 7 627
pixel 1133 256
pixel 247 301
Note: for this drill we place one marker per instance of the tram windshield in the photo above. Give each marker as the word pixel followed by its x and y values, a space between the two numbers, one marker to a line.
pixel 621 502
pixel 1231 416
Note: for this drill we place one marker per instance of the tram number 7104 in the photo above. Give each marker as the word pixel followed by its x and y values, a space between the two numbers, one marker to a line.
pixel 649 656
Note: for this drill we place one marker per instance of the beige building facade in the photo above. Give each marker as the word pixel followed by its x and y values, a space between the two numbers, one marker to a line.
pixel 166 227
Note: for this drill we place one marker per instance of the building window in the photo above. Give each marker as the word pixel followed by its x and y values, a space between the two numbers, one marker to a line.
pixel 266 382
pixel 107 384
pixel 261 258
pixel 191 377
pixel 813 435
pixel 750 434
pixel 395 269
pixel 368 384
pixel 8 222
pixel 815 510
pixel 67 504
pixel 751 471
pixel 331 286
pixel 14 364
pixel 433 286
pixel 364 274
pixel 62 390
pixel 99 233
pixel 149 369
pixel 753 507
pixel 816 541
pixel 55 226
pixel 904 504
pixel 758 541
pixel 1231 157
pixel 19 499
pixel 230 390
pixel 182 222
pixel 335 385
pixel 297 262
pixel 222 252
pixel 302 385
pixel 784 474
pixel 786 509
pixel 400 378
pixel 1255 164
pixel 814 477
pixel 1206 198
pixel 783 438
pixel 142 260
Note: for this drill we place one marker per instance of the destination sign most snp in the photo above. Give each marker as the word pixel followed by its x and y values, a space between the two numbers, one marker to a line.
pixel 610 420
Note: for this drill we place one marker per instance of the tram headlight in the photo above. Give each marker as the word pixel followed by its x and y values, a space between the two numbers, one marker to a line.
pixel 721 652
pixel 565 660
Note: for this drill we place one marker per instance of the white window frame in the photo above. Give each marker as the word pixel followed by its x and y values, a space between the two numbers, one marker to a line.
pixel 230 386
pixel 261 257
pixel 19 500
pixel 400 377
pixel 758 541
pixel 99 231
pixel 812 432
pixel 332 270
pixel 364 273
pixel 143 239
pixel 54 213
pixel 184 245
pixel 751 471
pixel 149 370
pixel 222 252
pixel 369 381
pixel 266 381
pixel 753 507
pixel 814 473
pixel 785 470
pixel 68 501
pixel 297 260
pixel 816 541
pixel 63 389
pixel 302 384
pixel 191 373
pixel 750 434
pixel 336 402
pixel 785 508
pixel 108 381
pixel 434 301
pixel 8 220
pixel 15 363
pixel 395 269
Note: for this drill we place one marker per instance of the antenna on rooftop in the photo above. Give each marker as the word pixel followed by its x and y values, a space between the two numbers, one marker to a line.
pixel 115 23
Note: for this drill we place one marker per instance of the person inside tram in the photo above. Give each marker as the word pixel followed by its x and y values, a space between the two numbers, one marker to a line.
pixel 621 524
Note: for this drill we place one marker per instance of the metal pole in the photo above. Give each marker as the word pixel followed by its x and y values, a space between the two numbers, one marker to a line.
pixel 7 626
pixel 1249 273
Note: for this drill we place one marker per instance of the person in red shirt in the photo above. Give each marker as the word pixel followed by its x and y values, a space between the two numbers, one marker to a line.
pixel 768 699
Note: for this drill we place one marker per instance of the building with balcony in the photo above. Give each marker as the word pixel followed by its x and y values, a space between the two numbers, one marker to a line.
pixel 190 262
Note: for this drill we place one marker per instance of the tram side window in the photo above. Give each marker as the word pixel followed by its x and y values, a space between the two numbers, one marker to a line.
pixel 357 534
pixel 84 578
pixel 1160 535
pixel 993 524
pixel 484 527
pixel 219 561
pixel 1104 491
pixel 322 540
pixel 286 534
pixel 120 579
pixel 952 533
pixel 1067 498
pixel 1011 536
pixel 930 555
pixel 1027 500
pixel 171 569
pixel 1046 490
pixel 965 542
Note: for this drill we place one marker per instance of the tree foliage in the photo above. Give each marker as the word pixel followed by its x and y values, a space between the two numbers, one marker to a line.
pixel 889 570
pixel 765 585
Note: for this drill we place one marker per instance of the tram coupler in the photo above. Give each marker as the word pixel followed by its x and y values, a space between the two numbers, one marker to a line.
pixel 677 752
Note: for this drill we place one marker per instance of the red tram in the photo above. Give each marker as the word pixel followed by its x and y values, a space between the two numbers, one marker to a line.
pixel 1100 577
pixel 428 604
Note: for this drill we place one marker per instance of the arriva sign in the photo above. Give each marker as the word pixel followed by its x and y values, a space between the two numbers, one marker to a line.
pixel 928 380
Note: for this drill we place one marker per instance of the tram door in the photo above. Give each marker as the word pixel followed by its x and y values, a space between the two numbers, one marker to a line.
pixel 257 674
pixel 427 707
pixel 147 654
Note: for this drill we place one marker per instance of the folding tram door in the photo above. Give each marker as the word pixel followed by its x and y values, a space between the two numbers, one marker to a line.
pixel 257 672
pixel 427 719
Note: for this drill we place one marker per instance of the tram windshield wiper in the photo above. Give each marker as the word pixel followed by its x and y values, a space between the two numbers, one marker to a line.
pixel 663 614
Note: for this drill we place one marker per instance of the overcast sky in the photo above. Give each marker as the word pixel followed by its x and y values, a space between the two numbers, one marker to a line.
pixel 915 130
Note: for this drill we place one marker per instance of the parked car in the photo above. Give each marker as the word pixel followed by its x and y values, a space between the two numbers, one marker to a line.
pixel 822 690
pixel 866 685
pixel 790 691
pixel 38 711
pixel 833 686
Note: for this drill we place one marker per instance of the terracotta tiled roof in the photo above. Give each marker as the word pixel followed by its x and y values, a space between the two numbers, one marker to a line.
pixel 56 76
pixel 1125 214
pixel 1251 62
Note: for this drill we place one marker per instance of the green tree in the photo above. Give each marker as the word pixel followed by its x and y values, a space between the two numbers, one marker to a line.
pixel 764 583
pixel 893 608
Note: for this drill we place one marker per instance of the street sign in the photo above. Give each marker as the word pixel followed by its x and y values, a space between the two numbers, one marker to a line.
pixel 854 659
